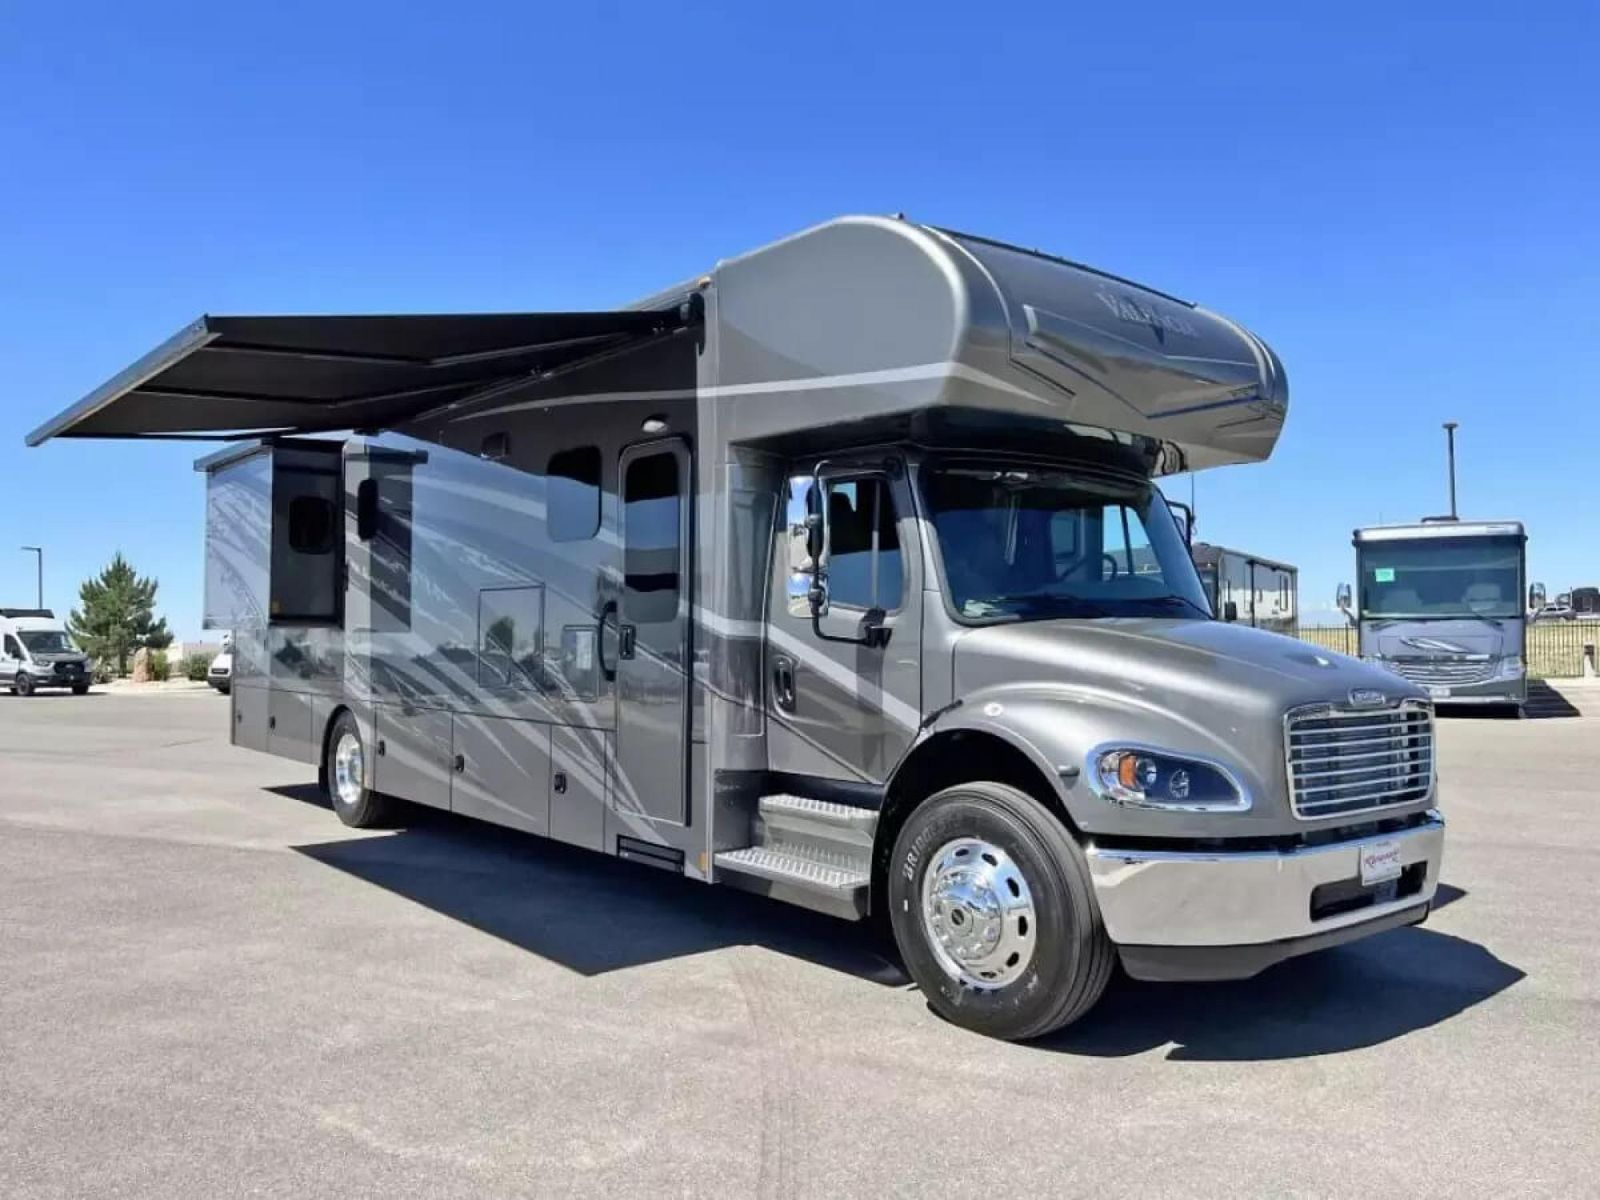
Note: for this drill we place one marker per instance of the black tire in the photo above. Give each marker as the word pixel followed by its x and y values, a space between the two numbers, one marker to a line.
pixel 1072 957
pixel 366 808
pixel 23 684
pixel 80 689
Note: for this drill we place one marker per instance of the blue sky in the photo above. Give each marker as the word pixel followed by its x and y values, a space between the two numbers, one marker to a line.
pixel 1403 199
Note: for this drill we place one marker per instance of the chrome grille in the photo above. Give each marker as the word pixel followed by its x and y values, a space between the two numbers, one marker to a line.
pixel 1442 670
pixel 1344 761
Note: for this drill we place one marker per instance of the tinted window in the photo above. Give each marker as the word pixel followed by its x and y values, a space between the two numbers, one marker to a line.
pixel 1020 543
pixel 311 524
pixel 12 649
pixel 572 494
pixel 864 566
pixel 652 520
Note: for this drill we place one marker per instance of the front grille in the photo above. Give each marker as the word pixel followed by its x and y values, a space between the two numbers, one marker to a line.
pixel 1446 671
pixel 1347 760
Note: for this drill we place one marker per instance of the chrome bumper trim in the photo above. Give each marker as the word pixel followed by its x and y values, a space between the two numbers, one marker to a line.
pixel 1222 898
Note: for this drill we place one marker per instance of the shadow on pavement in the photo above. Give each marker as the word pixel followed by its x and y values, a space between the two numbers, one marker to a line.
pixel 1545 701
pixel 594 914
pixel 1357 995
pixel 588 912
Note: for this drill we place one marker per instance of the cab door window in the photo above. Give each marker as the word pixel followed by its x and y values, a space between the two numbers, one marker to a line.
pixel 865 569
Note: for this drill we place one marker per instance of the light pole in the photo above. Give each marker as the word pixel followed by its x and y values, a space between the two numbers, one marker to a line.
pixel 39 553
pixel 1450 442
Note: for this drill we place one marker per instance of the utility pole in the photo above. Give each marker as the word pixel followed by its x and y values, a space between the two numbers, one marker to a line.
pixel 1450 442
pixel 39 554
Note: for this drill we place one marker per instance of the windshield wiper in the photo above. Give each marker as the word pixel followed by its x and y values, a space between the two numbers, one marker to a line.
pixel 1172 598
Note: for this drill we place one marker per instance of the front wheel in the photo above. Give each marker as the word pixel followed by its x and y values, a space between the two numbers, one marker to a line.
pixel 994 912
pixel 80 689
pixel 23 684
pixel 346 777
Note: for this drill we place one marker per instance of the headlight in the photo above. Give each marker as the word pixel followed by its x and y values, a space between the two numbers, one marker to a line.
pixel 1511 664
pixel 1143 778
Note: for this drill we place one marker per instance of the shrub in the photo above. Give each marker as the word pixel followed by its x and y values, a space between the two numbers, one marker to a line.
pixel 104 672
pixel 160 668
pixel 196 667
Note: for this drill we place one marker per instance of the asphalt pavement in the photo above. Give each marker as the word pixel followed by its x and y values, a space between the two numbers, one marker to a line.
pixel 209 987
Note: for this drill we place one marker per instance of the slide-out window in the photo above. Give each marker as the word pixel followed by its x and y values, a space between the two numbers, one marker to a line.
pixel 572 494
pixel 307 537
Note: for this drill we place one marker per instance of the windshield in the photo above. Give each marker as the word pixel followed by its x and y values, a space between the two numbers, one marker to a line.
pixel 46 641
pixel 1026 543
pixel 1441 577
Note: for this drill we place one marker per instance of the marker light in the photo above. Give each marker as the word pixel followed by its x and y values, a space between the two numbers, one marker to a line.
pixel 1142 778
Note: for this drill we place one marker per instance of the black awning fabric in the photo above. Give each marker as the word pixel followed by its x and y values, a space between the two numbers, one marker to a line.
pixel 225 376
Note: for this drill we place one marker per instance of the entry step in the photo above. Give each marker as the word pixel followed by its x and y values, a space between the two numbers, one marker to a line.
pixel 785 867
pixel 783 808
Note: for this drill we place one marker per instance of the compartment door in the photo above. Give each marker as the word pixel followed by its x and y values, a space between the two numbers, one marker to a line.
pixel 652 643
pixel 501 772
pixel 413 754
pixel 250 716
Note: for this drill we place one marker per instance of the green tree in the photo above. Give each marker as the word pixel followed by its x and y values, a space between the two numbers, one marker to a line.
pixel 117 616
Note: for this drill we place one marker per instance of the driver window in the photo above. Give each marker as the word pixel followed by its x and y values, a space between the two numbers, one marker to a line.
pixel 864 566
pixel 13 649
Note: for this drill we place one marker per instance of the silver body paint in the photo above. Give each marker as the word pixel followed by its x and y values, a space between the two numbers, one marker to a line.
pixel 863 344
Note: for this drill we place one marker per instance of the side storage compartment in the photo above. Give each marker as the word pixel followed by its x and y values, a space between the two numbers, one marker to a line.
pixel 289 725
pixel 412 755
pixel 250 717
pixel 578 759
pixel 502 772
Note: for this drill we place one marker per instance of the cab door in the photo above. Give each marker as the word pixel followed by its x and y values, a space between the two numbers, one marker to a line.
pixel 843 705
pixel 651 764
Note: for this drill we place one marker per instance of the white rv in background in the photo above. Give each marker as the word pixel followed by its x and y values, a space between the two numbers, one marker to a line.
pixel 1247 588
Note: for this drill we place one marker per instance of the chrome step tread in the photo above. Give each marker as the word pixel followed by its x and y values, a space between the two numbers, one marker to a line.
pixel 822 811
pixel 792 868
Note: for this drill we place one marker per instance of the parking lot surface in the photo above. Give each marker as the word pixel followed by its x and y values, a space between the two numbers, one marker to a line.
pixel 209 987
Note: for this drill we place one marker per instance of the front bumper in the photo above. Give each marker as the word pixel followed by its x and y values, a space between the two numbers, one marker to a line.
pixel 1219 914
pixel 54 679
pixel 1498 689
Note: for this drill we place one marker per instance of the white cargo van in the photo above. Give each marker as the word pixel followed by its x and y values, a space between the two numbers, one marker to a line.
pixel 37 652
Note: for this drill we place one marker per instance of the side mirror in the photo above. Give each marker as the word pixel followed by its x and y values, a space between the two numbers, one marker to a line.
pixel 1187 513
pixel 1536 597
pixel 1341 598
pixel 806 541
pixel 1230 610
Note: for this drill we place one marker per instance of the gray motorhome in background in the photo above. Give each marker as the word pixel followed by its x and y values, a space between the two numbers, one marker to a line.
pixel 838 574
pixel 1441 603
pixel 1263 594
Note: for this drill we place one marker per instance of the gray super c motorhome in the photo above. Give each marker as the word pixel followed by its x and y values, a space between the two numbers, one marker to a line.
pixel 838 574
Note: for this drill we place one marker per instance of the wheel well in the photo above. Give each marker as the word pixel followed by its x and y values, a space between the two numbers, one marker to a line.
pixel 944 760
pixel 327 735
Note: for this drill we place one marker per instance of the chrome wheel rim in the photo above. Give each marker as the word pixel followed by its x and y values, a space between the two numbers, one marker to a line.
pixel 978 914
pixel 349 776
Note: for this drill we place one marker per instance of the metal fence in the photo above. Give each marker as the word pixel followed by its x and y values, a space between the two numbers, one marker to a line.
pixel 1555 648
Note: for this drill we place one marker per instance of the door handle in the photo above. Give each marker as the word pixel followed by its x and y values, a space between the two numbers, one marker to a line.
pixel 627 640
pixel 608 609
pixel 783 682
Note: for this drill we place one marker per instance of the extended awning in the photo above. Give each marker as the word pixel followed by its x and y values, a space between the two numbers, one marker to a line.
pixel 246 376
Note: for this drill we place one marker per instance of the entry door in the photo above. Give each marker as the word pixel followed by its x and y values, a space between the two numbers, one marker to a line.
pixel 652 644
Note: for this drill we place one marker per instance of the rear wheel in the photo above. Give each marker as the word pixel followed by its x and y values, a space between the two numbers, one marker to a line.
pixel 994 913
pixel 346 775
pixel 23 684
